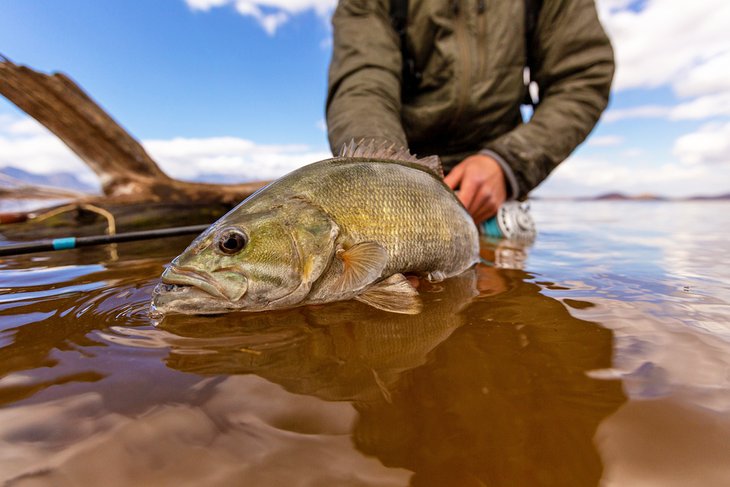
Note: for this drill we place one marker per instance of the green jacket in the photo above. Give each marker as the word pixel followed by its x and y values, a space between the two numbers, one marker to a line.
pixel 468 98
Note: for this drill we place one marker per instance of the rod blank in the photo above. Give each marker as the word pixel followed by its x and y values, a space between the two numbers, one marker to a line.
pixel 76 242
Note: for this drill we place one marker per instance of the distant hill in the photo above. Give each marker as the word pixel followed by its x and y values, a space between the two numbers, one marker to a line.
pixel 616 196
pixel 624 197
pixel 725 196
pixel 64 180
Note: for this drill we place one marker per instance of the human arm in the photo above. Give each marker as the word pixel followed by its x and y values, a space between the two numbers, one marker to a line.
pixel 574 70
pixel 364 86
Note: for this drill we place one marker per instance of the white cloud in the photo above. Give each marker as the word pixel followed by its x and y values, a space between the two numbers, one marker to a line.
pixel 205 5
pixel 272 22
pixel 667 41
pixel 326 43
pixel 27 145
pixel 269 22
pixel 21 126
pixel 604 140
pixel 701 108
pixel 706 78
pixel 671 43
pixel 241 159
pixel 708 145
pixel 632 153
pixel 581 176
pixel 270 14
pixel 642 111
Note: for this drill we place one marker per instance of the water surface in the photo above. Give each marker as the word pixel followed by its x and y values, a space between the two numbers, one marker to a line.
pixel 599 356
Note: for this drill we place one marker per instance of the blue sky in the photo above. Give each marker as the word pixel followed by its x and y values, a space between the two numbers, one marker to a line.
pixel 164 70
pixel 237 88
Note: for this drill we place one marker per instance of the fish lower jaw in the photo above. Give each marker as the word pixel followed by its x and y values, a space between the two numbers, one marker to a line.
pixel 179 276
pixel 187 299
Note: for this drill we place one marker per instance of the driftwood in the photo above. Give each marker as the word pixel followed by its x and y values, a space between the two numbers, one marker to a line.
pixel 127 173
pixel 81 219
pixel 137 194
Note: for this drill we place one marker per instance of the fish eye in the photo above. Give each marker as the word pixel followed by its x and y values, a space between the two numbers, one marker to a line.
pixel 231 242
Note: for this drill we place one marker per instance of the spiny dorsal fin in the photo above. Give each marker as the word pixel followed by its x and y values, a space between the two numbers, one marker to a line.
pixel 382 149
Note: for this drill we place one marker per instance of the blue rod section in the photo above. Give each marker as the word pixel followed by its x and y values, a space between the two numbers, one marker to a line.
pixel 64 243
pixel 76 242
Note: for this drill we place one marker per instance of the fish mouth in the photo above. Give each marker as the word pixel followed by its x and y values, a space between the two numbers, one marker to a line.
pixel 187 277
pixel 188 291
pixel 185 299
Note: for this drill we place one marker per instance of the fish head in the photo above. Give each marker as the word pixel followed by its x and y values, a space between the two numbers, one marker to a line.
pixel 248 261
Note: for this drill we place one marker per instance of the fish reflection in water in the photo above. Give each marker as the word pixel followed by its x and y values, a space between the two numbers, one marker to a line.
pixel 342 352
pixel 472 391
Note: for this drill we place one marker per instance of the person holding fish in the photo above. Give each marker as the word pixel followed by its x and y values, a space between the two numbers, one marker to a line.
pixel 447 78
pixel 448 82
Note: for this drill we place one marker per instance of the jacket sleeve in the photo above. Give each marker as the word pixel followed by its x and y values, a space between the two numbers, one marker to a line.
pixel 574 71
pixel 364 86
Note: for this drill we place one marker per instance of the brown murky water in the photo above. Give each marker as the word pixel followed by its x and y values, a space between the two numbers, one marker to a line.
pixel 600 356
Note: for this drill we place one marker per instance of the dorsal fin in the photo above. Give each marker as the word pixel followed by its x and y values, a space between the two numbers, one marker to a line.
pixel 375 149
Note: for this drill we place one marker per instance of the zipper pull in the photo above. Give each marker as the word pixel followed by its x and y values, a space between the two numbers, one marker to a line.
pixel 481 6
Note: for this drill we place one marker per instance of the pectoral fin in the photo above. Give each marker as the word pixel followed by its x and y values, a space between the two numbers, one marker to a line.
pixel 362 264
pixel 394 294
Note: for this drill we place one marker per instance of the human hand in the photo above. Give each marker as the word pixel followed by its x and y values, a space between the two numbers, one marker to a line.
pixel 481 184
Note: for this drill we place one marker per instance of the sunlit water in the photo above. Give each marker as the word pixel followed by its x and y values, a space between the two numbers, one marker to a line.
pixel 599 356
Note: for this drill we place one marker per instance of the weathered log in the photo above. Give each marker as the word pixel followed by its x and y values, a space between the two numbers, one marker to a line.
pixel 76 219
pixel 127 173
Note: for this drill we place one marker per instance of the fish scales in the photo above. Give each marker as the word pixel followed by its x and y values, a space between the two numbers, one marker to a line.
pixel 399 206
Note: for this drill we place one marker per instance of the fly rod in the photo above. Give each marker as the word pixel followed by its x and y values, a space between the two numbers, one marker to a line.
pixel 76 242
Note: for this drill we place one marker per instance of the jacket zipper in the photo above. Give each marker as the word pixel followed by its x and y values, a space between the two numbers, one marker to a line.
pixel 461 33
pixel 481 39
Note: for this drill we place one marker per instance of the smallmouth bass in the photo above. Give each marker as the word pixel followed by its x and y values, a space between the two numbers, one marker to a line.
pixel 343 228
